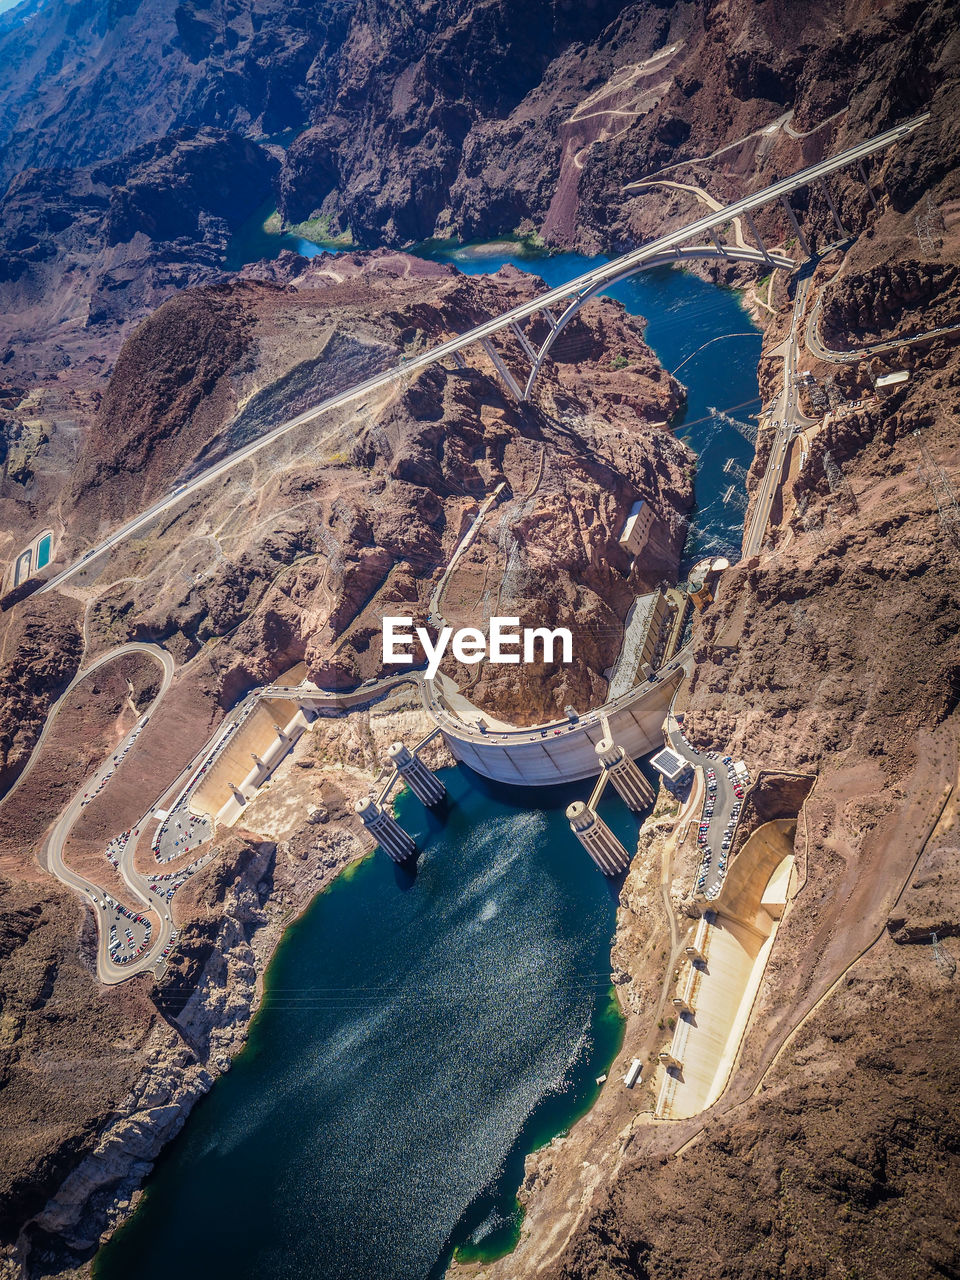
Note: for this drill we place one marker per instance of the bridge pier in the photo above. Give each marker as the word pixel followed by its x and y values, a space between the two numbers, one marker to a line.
pixel 756 235
pixel 501 368
pixel 624 774
pixel 428 789
pixel 833 208
pixel 385 829
pixel 801 238
pixel 524 341
pixel 597 838
pixel 549 317
pixel 866 182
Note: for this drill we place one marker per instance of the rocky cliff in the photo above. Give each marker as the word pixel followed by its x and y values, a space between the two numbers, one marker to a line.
pixel 593 125
pixel 85 252
pixel 831 656
pixel 359 514
pixel 834 1150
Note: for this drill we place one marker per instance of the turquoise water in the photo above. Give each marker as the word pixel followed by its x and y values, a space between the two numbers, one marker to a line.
pixel 252 242
pixel 419 1034
pixel 43 552
pixel 695 328
pixel 683 313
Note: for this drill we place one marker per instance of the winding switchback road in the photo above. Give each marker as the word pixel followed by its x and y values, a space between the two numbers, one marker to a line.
pixel 52 850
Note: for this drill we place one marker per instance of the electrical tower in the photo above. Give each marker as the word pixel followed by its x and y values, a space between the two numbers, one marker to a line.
pixel 838 482
pixel 514 569
pixel 734 498
pixel 929 223
pixel 942 957
pixel 944 493
pixel 813 523
pixel 800 620
pixel 732 468
pixel 818 397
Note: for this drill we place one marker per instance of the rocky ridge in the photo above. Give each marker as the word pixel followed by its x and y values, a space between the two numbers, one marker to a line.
pixel 833 655
pixel 184 1031
pixel 821 1196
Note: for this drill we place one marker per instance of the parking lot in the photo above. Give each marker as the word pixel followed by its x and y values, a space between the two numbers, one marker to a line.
pixel 722 807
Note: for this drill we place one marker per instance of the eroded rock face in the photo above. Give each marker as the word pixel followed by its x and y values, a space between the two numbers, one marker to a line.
pixel 85 252
pixel 904 297
pixel 69 1051
pixel 116 57
pixel 205 1001
pixel 45 645
pixel 363 523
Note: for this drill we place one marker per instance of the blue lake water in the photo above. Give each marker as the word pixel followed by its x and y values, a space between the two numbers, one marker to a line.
pixel 418 1036
pixel 252 242
pixel 701 331
pixel 691 323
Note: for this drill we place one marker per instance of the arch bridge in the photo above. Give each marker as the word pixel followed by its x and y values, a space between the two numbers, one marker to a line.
pixel 734 253
pixel 684 242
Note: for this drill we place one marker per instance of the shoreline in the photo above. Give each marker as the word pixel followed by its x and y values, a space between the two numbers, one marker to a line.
pixel 104 1189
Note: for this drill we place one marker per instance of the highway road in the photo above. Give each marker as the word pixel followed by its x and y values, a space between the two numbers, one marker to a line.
pixel 816 347
pixel 155 907
pixel 786 415
pixel 52 850
pixel 587 283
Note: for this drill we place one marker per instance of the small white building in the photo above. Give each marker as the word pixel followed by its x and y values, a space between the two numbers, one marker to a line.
pixel 670 765
pixel 636 531
pixel 888 382
pixel 633 1073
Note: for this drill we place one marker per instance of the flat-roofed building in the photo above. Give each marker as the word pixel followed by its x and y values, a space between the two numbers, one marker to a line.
pixel 636 531
pixel 671 766
pixel 888 382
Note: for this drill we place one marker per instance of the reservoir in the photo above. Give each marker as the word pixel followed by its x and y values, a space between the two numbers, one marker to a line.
pixel 419 1035
pixel 694 327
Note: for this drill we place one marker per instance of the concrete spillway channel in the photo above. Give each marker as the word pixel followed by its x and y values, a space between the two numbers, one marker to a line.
pixel 724 971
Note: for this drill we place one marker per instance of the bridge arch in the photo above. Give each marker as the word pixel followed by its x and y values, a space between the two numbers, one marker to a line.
pixel 735 253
